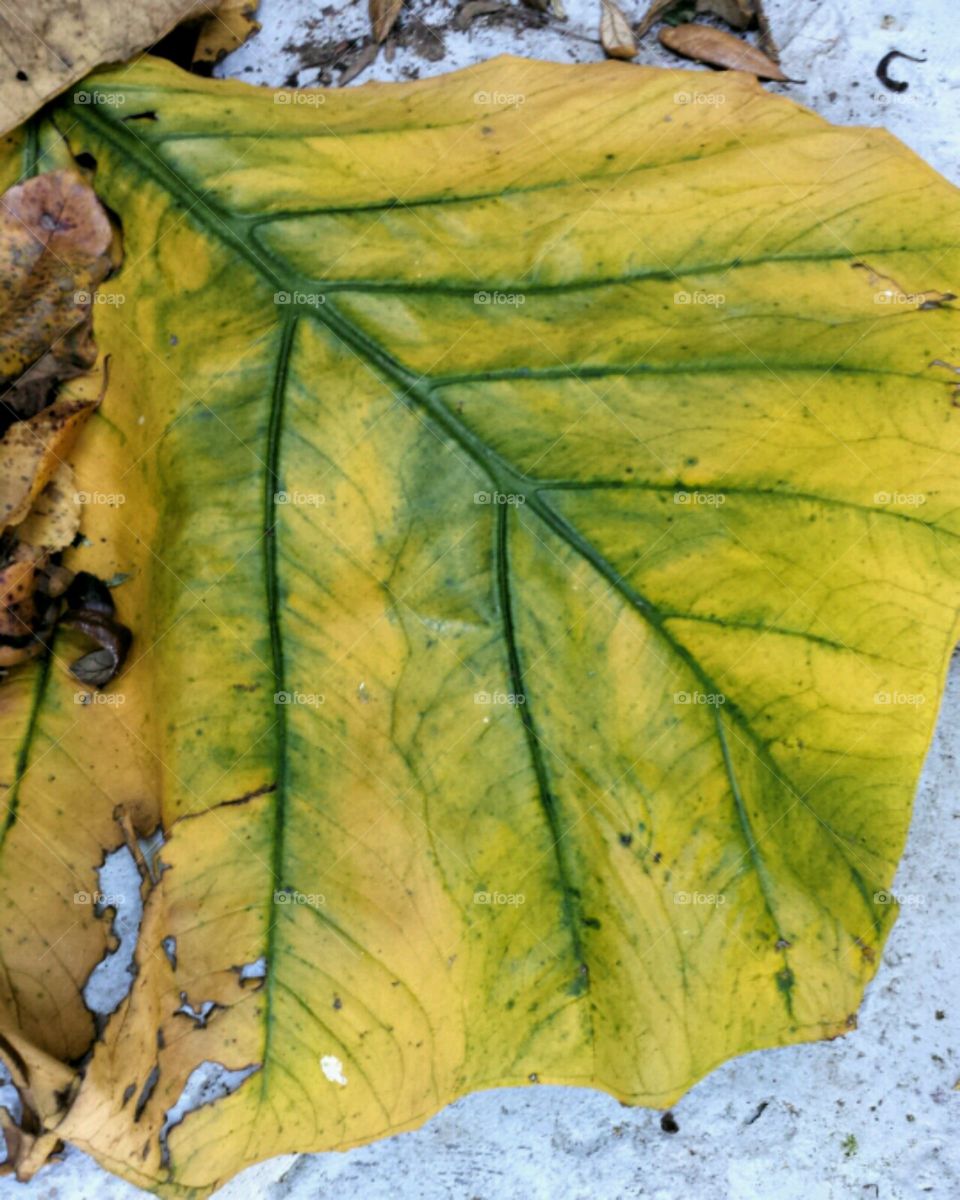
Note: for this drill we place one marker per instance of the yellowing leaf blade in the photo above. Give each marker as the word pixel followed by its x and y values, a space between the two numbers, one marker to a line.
pixel 539 656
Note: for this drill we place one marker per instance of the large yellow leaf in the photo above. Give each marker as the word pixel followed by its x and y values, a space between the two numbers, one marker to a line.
pixel 542 511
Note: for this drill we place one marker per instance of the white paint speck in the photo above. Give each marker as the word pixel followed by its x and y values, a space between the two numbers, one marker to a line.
pixel 332 1067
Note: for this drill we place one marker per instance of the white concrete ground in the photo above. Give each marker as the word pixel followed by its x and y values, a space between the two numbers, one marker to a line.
pixel 872 1116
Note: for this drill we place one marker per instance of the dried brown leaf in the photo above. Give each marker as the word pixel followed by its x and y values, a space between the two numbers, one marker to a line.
pixel 361 60
pixel 468 13
pixel 32 451
pixel 553 7
pixel 653 14
pixel 616 36
pixel 49 44
pixel 743 14
pixel 55 247
pixel 719 49
pixel 383 17
pixel 54 520
pixel 739 14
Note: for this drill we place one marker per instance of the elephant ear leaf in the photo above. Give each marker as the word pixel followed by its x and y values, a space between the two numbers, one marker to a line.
pixel 542 520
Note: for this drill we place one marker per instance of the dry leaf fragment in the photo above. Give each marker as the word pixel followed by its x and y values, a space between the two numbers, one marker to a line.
pixel 657 9
pixel 553 7
pixel 30 453
pixel 91 612
pixel 719 49
pixel 739 14
pixel 616 36
pixel 55 247
pixel 359 63
pixel 742 15
pixel 469 12
pixel 100 666
pixel 383 17
pixel 49 44
pixel 54 520
pixel 228 27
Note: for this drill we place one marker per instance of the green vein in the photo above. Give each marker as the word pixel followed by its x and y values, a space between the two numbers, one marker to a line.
pixel 765 883
pixel 271 486
pixel 23 758
pixel 616 370
pixel 718 488
pixel 676 274
pixel 570 896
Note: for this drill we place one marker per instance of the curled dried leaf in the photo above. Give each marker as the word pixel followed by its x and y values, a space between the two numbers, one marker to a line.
pixel 616 36
pixel 100 666
pixel 719 49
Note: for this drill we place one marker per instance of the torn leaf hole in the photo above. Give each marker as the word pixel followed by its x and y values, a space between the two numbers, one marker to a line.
pixel 146 1092
pixel 200 1016
pixel 110 981
pixel 253 973
pixel 169 945
pixel 209 1082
